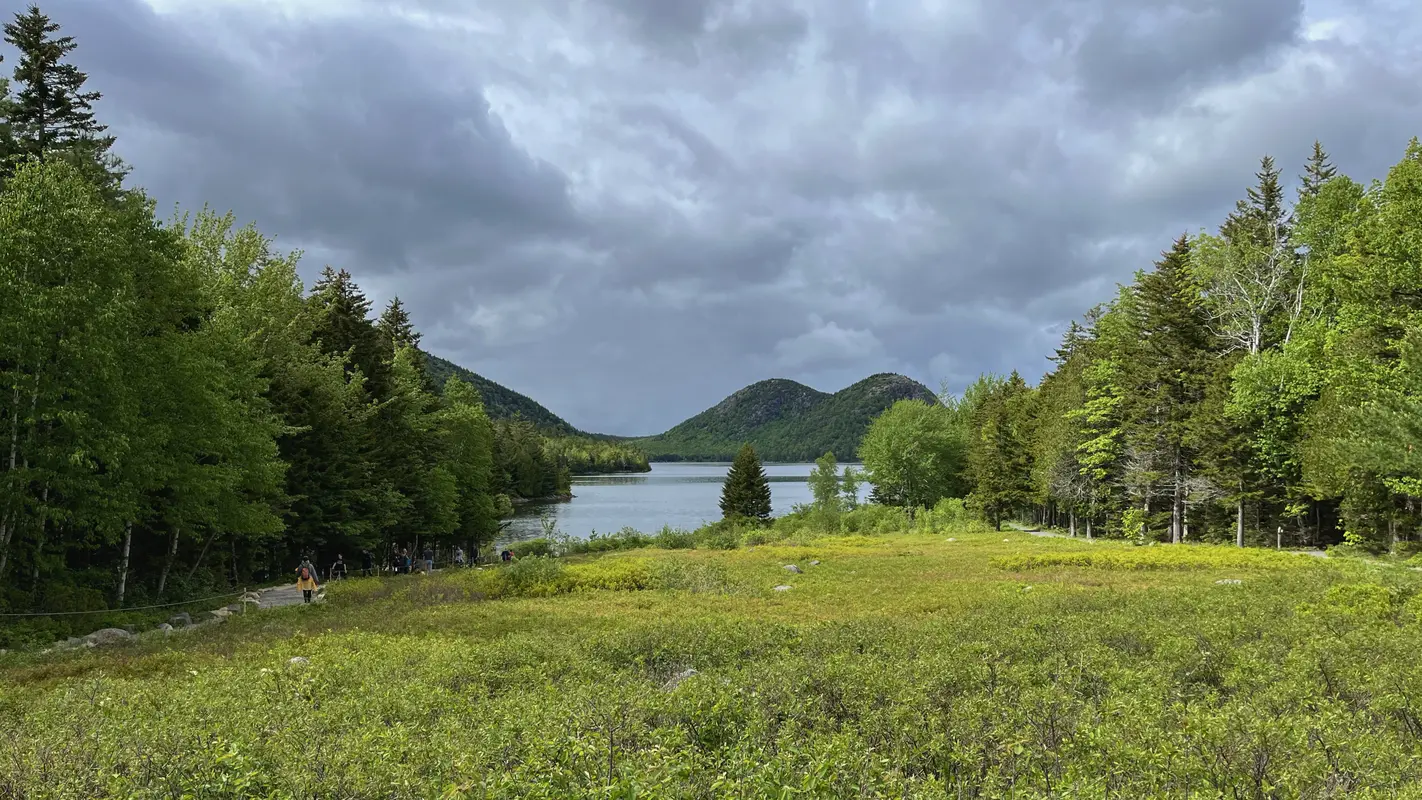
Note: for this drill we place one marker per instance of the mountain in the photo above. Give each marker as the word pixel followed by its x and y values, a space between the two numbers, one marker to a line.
pixel 499 401
pixel 785 420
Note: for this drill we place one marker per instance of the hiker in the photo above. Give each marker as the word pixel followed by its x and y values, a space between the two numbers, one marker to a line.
pixel 428 559
pixel 338 569
pixel 405 563
pixel 458 556
pixel 507 555
pixel 306 579
pixel 367 562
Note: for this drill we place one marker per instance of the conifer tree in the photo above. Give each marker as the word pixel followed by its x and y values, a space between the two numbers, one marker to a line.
pixel 51 112
pixel 746 492
pixel 999 463
pixel 1167 378
pixel 345 329
pixel 1318 172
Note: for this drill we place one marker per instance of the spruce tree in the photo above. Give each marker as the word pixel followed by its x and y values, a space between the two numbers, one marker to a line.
pixel 51 113
pixel 1318 172
pixel 398 332
pixel 1167 376
pixel 999 463
pixel 746 492
pixel 345 329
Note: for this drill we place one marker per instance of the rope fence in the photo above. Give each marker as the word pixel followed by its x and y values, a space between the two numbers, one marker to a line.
pixel 123 610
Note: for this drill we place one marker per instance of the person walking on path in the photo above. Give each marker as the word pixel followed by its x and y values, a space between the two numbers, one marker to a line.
pixel 306 579
pixel 338 569
pixel 428 558
pixel 458 556
pixel 367 563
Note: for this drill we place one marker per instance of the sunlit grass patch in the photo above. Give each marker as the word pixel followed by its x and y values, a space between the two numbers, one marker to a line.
pixel 901 665
pixel 1183 558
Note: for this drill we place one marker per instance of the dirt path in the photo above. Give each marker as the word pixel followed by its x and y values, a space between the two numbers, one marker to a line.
pixel 278 596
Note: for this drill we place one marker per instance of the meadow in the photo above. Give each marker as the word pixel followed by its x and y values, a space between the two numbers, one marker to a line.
pixel 962 663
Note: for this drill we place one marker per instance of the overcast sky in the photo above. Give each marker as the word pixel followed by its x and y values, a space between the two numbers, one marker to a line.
pixel 628 209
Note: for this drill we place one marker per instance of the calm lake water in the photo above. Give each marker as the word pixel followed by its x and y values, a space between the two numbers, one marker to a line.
pixel 682 495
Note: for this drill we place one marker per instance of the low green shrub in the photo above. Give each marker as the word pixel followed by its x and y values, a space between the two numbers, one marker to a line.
pixel 1176 557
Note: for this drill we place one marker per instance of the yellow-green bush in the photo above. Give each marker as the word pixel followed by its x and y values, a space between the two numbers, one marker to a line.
pixel 1178 557
pixel 900 666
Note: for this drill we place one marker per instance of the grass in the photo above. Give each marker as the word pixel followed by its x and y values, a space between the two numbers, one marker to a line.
pixel 903 665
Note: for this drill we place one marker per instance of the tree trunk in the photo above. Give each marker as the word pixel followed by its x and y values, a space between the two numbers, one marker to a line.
pixel 1177 515
pixel 1239 523
pixel 1071 520
pixel 123 563
pixel 168 563
pixel 236 579
pixel 1088 527
pixel 5 530
pixel 202 555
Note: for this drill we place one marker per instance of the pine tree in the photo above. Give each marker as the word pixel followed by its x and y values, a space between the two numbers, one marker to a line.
pixel 1318 172
pixel 51 112
pixel 999 464
pixel 345 329
pixel 746 492
pixel 399 332
pixel 1167 376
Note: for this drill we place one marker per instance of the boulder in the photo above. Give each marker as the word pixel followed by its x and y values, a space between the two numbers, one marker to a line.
pixel 794 569
pixel 814 563
pixel 180 620
pixel 234 608
pixel 298 661
pixel 676 680
pixel 108 636
pixel 165 628
pixel 782 588
pixel 1229 582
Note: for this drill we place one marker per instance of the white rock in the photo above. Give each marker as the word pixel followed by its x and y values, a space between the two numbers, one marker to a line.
pixel 107 636
pixel 1229 582
pixel 298 661
pixel 676 680
pixel 794 569
pixel 782 588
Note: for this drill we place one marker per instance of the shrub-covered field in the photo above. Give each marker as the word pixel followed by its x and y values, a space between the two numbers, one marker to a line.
pixel 902 665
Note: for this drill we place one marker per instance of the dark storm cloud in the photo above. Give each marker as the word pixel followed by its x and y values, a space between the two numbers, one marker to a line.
pixel 630 208
pixel 1143 54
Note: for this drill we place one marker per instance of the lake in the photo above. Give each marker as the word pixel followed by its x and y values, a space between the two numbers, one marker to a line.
pixel 680 494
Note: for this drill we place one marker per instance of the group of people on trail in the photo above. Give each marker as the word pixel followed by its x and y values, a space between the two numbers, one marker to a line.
pixel 401 563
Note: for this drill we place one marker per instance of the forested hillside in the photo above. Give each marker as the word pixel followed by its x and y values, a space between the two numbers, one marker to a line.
pixel 1260 383
pixel 500 402
pixel 180 413
pixel 581 453
pixel 785 420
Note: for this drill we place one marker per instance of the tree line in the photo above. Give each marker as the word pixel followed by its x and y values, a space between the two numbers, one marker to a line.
pixel 1259 384
pixel 178 412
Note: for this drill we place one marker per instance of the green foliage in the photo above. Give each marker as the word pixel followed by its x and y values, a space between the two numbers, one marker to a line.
pixel 913 454
pixel 1258 384
pixel 824 484
pixel 998 459
pixel 785 420
pixel 900 666
pixel 1190 558
pixel 745 495
pixel 500 402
